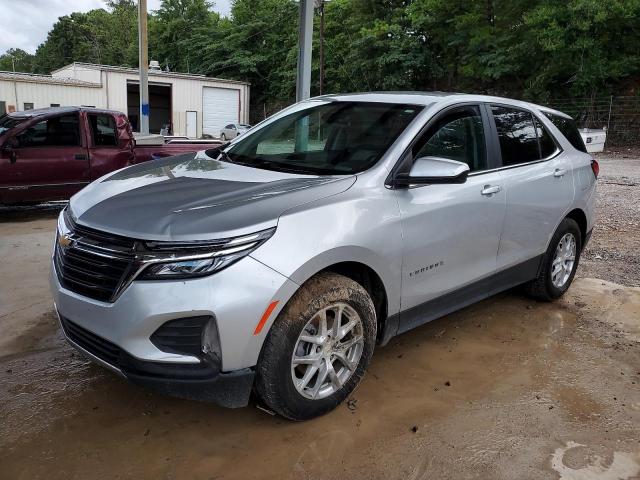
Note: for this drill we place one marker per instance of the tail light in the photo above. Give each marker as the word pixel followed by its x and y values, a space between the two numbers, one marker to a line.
pixel 595 167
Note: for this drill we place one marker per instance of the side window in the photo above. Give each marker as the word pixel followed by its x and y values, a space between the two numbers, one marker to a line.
pixel 103 130
pixel 547 144
pixel 459 135
pixel 517 135
pixel 54 132
pixel 28 106
pixel 569 129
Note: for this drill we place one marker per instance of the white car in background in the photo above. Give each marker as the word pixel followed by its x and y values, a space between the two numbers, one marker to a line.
pixel 232 130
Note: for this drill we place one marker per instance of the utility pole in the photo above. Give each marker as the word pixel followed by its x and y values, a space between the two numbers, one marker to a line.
pixel 143 60
pixel 305 37
pixel 321 11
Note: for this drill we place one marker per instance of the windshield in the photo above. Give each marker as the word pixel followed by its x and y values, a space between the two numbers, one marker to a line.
pixel 334 138
pixel 7 122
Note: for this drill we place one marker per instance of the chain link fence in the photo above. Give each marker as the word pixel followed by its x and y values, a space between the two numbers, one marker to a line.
pixel 264 110
pixel 620 115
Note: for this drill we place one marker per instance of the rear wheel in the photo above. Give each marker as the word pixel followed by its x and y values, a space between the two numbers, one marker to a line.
pixel 318 348
pixel 560 263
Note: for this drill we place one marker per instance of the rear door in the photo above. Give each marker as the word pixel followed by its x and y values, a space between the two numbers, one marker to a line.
pixel 49 161
pixel 538 181
pixel 450 231
pixel 110 143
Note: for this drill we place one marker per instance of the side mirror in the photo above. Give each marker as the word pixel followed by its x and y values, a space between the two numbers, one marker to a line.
pixel 430 170
pixel 8 148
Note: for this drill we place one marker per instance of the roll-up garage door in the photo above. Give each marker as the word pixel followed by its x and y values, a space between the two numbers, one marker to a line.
pixel 220 107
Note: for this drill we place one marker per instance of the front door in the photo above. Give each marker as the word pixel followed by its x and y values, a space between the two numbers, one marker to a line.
pixel 192 124
pixel 450 232
pixel 49 161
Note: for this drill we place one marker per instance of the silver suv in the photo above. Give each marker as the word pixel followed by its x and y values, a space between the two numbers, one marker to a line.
pixel 276 263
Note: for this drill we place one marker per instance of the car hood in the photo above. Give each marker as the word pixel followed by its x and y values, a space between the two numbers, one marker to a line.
pixel 195 197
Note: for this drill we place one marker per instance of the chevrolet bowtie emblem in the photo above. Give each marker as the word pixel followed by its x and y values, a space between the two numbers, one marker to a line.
pixel 65 240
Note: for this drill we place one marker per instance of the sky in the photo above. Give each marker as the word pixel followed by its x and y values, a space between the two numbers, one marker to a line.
pixel 25 23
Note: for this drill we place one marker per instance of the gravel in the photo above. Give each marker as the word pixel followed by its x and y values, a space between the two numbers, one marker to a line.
pixel 613 252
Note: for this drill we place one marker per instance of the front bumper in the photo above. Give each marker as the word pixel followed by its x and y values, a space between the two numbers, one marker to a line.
pixel 203 381
pixel 235 299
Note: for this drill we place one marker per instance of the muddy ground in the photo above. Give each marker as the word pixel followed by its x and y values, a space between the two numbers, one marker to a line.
pixel 508 388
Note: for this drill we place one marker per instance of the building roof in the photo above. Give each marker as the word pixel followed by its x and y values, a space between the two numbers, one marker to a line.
pixel 35 78
pixel 159 73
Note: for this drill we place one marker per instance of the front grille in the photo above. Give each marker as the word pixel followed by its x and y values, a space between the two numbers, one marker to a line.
pixel 92 343
pixel 93 263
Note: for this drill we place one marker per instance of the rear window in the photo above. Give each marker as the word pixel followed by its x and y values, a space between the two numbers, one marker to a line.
pixel 569 129
pixel 103 130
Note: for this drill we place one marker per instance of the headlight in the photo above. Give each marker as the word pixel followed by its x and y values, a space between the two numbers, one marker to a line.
pixel 173 260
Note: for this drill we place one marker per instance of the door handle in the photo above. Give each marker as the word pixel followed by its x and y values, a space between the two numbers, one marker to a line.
pixel 490 189
pixel 559 172
pixel 80 156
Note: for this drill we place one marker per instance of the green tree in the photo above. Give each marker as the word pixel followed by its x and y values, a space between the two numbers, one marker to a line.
pixel 582 47
pixel 16 59
pixel 257 44
pixel 536 49
pixel 97 36
pixel 179 30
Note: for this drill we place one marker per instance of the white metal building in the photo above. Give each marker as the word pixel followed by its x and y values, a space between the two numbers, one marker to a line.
pixel 188 104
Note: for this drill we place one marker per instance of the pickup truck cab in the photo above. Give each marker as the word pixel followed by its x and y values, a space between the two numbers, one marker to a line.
pixel 51 153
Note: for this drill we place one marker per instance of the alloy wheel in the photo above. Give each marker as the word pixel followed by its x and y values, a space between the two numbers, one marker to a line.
pixel 327 351
pixel 563 260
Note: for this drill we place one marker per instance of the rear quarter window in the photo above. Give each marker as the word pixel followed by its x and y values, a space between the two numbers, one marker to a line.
pixel 569 129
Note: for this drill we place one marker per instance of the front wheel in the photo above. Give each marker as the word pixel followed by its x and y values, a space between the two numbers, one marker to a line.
pixel 318 348
pixel 223 137
pixel 560 263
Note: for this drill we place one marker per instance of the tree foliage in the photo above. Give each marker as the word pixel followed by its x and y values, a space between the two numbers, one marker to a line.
pixel 533 49
pixel 16 59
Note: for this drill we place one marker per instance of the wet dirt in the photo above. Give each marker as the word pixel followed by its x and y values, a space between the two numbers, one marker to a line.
pixel 507 388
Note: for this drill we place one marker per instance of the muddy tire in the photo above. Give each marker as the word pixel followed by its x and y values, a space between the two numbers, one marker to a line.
pixel 305 370
pixel 558 268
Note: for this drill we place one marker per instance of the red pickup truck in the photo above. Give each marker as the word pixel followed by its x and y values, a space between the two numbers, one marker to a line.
pixel 51 153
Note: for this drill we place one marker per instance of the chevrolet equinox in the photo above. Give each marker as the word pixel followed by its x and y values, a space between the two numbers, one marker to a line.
pixel 274 264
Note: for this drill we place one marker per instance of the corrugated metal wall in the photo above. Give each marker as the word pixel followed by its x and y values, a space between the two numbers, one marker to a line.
pixel 186 93
pixel 43 95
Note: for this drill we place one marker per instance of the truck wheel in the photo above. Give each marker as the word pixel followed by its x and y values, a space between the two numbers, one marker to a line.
pixel 223 137
pixel 318 348
pixel 560 263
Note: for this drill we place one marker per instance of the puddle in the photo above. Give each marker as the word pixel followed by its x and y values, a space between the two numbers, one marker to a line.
pixel 597 465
